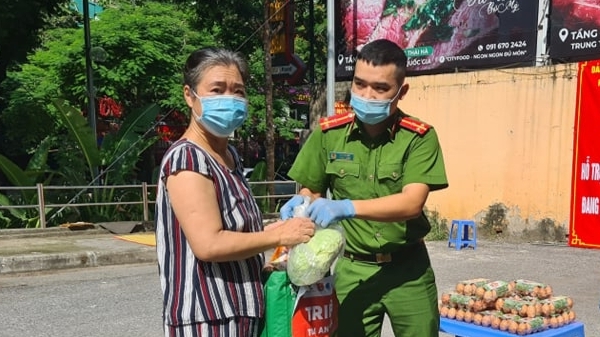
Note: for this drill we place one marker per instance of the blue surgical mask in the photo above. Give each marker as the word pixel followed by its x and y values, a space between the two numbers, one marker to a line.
pixel 222 114
pixel 371 111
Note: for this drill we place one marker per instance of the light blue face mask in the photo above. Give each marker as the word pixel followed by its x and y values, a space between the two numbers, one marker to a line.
pixel 222 114
pixel 371 111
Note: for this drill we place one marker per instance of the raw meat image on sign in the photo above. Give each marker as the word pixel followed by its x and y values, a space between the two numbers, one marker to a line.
pixel 439 35
pixel 574 30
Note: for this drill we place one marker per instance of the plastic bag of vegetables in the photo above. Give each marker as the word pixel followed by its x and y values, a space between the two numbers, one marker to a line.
pixel 309 262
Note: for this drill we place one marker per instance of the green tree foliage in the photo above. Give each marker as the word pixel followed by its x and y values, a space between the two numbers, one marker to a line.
pixel 34 173
pixel 138 53
pixel 20 24
pixel 116 158
pixel 144 48
pixel 235 24
pixel 251 136
pixel 312 30
pixel 240 27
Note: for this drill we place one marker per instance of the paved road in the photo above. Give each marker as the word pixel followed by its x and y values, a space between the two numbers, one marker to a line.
pixel 125 300
pixel 92 302
pixel 570 271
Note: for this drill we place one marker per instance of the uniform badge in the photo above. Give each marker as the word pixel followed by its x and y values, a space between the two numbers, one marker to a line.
pixel 341 156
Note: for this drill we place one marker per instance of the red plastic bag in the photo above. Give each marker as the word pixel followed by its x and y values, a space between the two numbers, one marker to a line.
pixel 315 314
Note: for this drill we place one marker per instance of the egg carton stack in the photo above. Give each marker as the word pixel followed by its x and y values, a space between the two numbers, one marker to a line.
pixel 521 306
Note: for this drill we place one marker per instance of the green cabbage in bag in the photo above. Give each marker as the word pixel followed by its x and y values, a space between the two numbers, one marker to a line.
pixel 309 262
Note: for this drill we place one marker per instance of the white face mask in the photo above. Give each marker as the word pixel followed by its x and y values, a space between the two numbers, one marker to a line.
pixel 222 114
pixel 371 111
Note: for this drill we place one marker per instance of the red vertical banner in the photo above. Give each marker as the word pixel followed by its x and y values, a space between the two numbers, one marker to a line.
pixel 585 189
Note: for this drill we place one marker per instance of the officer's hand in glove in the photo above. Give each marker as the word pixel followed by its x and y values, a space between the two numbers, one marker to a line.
pixel 323 211
pixel 287 210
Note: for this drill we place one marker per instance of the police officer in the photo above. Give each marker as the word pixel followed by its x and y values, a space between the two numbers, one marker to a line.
pixel 379 165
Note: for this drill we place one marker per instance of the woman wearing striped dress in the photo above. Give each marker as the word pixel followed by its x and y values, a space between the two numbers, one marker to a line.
pixel 209 232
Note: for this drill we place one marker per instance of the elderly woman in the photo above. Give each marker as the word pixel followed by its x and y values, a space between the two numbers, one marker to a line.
pixel 209 232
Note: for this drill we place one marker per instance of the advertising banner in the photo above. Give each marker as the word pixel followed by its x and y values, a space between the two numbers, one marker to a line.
pixel 439 35
pixel 574 30
pixel 585 189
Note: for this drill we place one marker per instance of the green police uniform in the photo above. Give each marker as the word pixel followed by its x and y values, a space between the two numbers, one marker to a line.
pixel 385 268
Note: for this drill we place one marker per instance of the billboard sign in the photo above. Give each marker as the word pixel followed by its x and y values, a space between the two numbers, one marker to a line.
pixel 585 188
pixel 439 35
pixel 574 27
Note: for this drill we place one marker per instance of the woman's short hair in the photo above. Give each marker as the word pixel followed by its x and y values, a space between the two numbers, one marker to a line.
pixel 203 59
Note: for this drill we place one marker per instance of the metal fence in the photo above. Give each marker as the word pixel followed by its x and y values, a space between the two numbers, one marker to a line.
pixel 147 198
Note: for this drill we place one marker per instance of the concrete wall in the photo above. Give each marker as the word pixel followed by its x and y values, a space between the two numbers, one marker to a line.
pixel 507 138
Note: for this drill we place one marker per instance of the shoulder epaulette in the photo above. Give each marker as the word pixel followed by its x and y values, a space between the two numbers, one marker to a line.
pixel 335 120
pixel 414 125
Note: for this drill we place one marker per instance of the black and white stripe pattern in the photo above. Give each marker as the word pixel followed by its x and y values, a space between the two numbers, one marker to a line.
pixel 233 327
pixel 197 291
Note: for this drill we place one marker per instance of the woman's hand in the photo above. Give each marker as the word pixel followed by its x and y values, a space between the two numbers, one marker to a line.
pixel 273 225
pixel 293 231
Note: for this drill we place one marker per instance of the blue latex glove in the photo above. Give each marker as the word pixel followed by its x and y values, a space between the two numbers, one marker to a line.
pixel 323 211
pixel 287 210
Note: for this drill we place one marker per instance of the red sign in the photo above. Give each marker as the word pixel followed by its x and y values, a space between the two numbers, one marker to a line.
pixel 288 68
pixel 585 190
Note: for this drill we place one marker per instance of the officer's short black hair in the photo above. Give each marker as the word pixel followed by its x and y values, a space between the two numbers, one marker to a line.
pixel 383 52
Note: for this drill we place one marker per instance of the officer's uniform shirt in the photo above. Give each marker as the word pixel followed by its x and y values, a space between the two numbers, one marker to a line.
pixel 343 158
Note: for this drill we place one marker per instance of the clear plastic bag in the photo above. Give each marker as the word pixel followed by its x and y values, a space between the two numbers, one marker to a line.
pixel 310 262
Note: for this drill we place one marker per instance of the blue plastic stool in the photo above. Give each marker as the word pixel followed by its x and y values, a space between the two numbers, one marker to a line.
pixel 459 234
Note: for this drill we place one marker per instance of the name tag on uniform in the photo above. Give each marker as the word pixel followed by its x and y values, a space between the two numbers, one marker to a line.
pixel 341 156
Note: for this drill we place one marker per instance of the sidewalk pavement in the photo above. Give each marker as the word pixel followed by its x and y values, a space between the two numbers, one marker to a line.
pixel 78 245
pixel 34 250
pixel 571 271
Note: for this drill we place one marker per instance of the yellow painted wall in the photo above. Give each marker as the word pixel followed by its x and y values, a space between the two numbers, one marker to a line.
pixel 507 137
